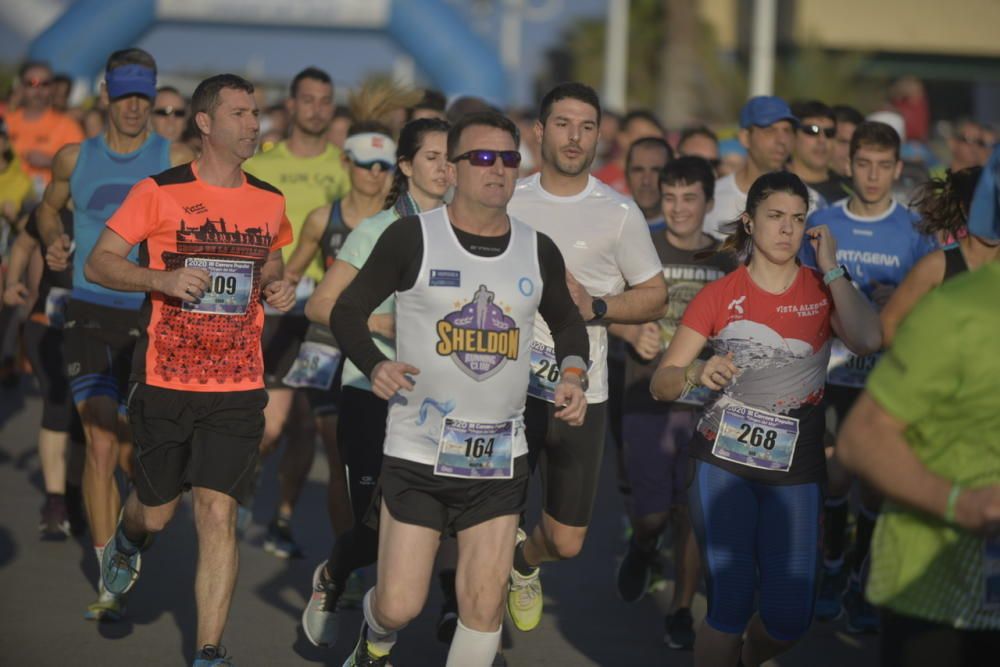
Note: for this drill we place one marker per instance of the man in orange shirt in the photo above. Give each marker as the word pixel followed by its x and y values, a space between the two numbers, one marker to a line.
pixel 211 236
pixel 36 129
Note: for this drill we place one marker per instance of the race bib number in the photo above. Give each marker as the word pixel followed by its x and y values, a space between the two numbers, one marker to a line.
pixel 229 286
pixel 314 367
pixel 991 573
pixel 846 369
pixel 544 372
pixel 55 306
pixel 475 450
pixel 756 438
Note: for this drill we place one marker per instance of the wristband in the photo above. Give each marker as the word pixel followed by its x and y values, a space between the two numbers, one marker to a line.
pixel 687 376
pixel 949 510
pixel 833 274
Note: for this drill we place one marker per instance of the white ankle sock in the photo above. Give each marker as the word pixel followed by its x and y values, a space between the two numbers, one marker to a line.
pixel 472 648
pixel 378 638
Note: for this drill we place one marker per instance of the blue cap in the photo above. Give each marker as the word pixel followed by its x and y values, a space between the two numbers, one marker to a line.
pixel 131 80
pixel 764 111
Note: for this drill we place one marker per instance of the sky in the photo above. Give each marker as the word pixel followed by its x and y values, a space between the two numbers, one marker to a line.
pixel 278 53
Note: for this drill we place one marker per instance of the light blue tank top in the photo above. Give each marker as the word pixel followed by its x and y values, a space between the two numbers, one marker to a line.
pixel 99 184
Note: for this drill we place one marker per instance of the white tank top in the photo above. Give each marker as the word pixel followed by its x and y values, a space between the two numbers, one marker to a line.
pixel 467 324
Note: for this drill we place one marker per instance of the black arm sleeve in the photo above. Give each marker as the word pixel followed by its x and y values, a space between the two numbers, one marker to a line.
pixel 557 308
pixel 392 266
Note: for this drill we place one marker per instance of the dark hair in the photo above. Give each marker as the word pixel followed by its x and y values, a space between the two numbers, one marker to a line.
pixel 312 73
pixel 130 57
pixel 874 134
pixel 640 114
pixel 944 203
pixel 464 106
pixel 31 64
pixel 843 113
pixel 484 118
pixel 688 170
pixel 206 96
pixel 696 131
pixel 811 109
pixel 62 78
pixel 776 181
pixel 648 142
pixel 570 90
pixel 432 99
pixel 342 112
pixel 411 139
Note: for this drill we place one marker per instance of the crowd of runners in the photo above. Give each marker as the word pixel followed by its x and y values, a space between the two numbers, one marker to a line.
pixel 786 339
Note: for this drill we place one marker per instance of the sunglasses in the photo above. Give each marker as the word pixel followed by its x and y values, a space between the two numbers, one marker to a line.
pixel 36 83
pixel 170 111
pixel 815 130
pixel 385 166
pixel 487 158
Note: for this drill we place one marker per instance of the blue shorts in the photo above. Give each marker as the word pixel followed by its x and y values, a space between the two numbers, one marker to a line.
pixel 758 541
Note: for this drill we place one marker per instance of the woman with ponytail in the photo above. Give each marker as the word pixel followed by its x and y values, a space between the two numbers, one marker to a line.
pixel 943 204
pixel 419 184
pixel 756 496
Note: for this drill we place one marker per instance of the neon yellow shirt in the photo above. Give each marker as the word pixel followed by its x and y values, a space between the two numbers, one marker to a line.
pixel 15 184
pixel 306 182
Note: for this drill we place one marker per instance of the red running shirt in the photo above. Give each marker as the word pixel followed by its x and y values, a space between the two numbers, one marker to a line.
pixel 181 221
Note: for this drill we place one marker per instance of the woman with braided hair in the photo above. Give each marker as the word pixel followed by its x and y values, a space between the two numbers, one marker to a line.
pixel 943 204
pixel 419 184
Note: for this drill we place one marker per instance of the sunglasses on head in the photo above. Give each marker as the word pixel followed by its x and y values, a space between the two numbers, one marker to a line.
pixel 36 83
pixel 487 158
pixel 814 131
pixel 385 166
pixel 170 111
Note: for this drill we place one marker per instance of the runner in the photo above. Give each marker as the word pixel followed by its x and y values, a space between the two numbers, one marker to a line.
pixel 370 154
pixel 657 435
pixel 169 113
pixel 455 451
pixel 102 324
pixel 419 184
pixel 847 120
pixel 812 148
pixel 607 246
pixel 16 189
pixel 879 244
pixel 37 131
pixel 197 396
pixel 943 206
pixel 756 494
pixel 644 161
pixel 925 433
pixel 767 131
pixel 700 141
pixel 310 173
pixel 61 460
pixel 637 124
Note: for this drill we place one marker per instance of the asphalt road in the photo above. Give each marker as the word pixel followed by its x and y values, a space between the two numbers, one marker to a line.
pixel 45 587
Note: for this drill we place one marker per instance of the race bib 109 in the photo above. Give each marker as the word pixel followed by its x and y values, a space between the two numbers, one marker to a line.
pixel 229 286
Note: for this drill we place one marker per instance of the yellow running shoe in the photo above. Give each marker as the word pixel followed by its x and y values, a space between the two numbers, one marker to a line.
pixel 109 608
pixel 524 596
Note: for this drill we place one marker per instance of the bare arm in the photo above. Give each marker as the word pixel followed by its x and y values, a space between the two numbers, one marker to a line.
pixel 642 302
pixel 680 366
pixel 324 298
pixel 16 292
pixel 308 244
pixel 872 444
pixel 108 266
pixel 56 195
pixel 925 276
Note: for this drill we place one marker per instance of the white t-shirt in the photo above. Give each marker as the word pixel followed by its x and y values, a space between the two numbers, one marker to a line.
pixel 730 202
pixel 605 242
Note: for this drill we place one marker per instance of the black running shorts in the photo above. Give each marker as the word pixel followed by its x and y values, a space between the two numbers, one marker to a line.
pixel 570 457
pixel 193 438
pixel 98 345
pixel 414 494
pixel 280 341
pixel 44 346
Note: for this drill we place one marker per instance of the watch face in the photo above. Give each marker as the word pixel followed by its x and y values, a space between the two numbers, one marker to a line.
pixel 600 308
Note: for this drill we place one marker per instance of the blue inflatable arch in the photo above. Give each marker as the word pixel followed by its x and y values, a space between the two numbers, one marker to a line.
pixel 453 57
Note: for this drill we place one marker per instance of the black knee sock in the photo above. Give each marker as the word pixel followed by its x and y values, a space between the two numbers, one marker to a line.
pixel 834 530
pixel 521 564
pixel 862 539
pixel 356 548
pixel 447 579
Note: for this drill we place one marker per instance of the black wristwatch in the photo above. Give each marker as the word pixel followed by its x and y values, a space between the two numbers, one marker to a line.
pixel 600 308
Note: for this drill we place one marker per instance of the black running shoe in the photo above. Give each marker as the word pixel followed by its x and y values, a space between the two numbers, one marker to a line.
pixel 680 629
pixel 634 572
